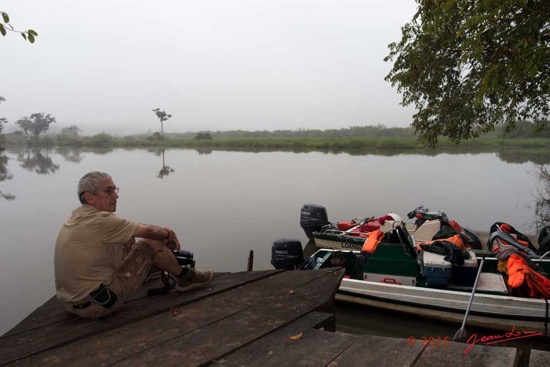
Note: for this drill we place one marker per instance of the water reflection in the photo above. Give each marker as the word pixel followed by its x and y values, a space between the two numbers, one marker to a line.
pixel 70 154
pixel 100 150
pixel 507 154
pixel 542 198
pixel 34 159
pixel 165 170
pixel 538 157
pixel 5 175
pixel 204 151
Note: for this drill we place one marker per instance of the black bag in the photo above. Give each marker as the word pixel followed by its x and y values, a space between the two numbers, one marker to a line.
pixel 544 240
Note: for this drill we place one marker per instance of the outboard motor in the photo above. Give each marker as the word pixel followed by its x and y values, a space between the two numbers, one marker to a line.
pixel 313 218
pixel 287 254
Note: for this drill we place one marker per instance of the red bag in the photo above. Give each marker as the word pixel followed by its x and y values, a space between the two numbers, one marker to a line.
pixel 344 226
pixel 370 226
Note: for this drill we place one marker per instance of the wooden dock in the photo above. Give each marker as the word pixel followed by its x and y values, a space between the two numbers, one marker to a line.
pixel 260 318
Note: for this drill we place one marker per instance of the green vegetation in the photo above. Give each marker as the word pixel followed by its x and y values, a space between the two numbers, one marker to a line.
pixel 542 208
pixel 36 124
pixel 468 66
pixel 28 35
pixel 355 139
pixel 203 136
pixel 69 136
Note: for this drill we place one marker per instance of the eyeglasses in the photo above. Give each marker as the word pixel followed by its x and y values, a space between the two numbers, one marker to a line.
pixel 110 189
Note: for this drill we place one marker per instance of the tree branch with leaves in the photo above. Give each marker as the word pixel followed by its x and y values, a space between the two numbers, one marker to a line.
pixel 469 65
pixel 28 35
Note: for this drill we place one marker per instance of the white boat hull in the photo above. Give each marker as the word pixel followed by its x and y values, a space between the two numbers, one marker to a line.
pixel 491 311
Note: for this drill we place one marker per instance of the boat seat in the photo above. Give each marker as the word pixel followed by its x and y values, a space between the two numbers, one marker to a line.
pixel 489 283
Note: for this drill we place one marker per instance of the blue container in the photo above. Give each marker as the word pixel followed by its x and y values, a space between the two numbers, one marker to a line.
pixel 465 275
pixel 437 271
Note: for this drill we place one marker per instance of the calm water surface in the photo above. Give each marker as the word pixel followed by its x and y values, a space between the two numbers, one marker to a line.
pixel 224 204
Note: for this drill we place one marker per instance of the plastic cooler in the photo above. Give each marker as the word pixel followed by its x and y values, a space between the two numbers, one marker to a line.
pixel 437 271
pixel 465 275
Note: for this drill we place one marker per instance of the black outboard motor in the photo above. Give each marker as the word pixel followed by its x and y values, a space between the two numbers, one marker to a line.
pixel 313 218
pixel 287 254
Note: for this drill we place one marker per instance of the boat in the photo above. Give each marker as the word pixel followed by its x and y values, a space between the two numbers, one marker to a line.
pixel 399 275
pixel 351 235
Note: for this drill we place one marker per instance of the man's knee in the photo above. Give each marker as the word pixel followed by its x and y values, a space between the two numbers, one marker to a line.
pixel 149 247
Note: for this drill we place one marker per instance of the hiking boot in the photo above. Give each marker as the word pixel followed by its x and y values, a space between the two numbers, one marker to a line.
pixel 193 279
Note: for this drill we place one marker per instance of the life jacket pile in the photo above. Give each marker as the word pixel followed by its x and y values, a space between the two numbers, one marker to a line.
pixel 525 278
pixel 499 244
pixel 454 249
pixel 452 241
pixel 523 273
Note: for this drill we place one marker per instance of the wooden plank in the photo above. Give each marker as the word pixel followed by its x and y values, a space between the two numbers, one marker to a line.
pixel 32 341
pixel 314 348
pixel 539 358
pixel 370 350
pixel 122 342
pixel 259 350
pixel 219 339
pixel 453 355
pixel 52 311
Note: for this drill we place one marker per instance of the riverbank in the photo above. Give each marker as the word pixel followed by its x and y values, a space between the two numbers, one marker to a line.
pixel 511 150
pixel 284 143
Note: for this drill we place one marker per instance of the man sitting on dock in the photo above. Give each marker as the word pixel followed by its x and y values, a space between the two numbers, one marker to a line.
pixel 98 264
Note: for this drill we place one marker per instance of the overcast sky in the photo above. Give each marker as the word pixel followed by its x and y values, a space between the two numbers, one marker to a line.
pixel 213 64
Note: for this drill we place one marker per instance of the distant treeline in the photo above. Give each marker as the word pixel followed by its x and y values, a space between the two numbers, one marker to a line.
pixel 358 138
pixel 523 129
pixel 350 132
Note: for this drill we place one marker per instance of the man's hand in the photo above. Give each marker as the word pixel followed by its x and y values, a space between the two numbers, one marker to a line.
pixel 171 233
pixel 156 233
pixel 172 239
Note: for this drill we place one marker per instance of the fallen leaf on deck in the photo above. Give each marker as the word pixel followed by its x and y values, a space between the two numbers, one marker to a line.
pixel 296 337
pixel 174 311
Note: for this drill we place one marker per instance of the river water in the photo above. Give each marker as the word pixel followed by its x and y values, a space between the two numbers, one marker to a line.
pixel 223 204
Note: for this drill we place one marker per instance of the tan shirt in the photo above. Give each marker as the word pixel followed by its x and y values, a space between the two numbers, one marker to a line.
pixel 89 249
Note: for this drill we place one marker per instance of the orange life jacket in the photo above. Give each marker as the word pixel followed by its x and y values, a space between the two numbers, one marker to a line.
pixel 455 240
pixel 519 272
pixel 455 225
pixel 372 241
